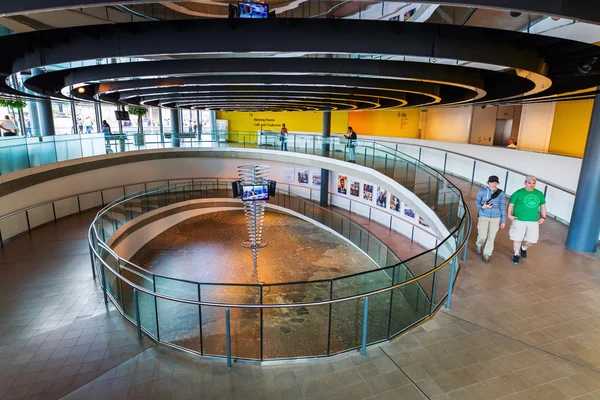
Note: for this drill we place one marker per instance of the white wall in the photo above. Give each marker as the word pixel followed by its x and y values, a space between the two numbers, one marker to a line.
pixel 448 124
pixel 558 170
pixel 536 126
pixel 217 163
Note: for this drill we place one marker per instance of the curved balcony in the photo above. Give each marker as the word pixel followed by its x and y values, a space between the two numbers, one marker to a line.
pixel 420 284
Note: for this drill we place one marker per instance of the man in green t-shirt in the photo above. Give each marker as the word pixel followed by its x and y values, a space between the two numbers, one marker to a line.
pixel 524 210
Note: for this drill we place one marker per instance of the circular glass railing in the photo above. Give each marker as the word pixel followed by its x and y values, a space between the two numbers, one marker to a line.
pixel 296 319
pixel 356 305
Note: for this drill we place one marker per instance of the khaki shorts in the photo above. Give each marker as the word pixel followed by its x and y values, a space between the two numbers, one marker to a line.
pixel 524 231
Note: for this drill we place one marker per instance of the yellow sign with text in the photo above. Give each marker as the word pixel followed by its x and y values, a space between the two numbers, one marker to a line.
pixel 253 122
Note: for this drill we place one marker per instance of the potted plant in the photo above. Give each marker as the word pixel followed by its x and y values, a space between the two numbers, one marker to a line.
pixel 139 112
pixel 15 104
pixel 121 143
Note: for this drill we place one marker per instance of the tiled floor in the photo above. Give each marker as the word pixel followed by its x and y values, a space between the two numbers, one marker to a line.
pixel 527 332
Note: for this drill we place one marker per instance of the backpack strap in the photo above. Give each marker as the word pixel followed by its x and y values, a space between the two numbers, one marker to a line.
pixel 496 194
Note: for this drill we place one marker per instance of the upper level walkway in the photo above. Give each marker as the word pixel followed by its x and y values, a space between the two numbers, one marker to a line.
pixel 527 332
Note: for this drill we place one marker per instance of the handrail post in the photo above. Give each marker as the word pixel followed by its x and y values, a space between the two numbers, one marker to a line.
pixel 138 320
pixel 103 276
pixel 92 258
pixel 445 160
pixel 28 224
pixel 363 349
pixel 385 165
pixel 473 174
pixel 451 282
pixel 228 337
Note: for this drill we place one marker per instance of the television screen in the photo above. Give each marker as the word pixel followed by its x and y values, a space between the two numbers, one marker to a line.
pixel 253 10
pixel 272 187
pixel 255 192
pixel 237 188
pixel 121 115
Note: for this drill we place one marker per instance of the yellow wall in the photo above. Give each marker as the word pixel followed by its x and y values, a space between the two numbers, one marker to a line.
pixel 294 121
pixel 570 128
pixel 448 124
pixel 399 123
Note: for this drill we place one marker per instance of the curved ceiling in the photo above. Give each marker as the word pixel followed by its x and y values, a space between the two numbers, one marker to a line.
pixel 574 9
pixel 293 64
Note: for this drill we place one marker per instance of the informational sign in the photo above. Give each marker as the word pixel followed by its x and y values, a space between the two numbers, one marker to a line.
pixel 316 177
pixel 368 192
pixel 408 213
pixel 302 175
pixel 394 203
pixel 381 197
pixel 354 187
pixel 342 184
pixel 288 174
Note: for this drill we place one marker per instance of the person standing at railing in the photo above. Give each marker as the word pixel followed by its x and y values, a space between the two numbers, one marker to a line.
pixel 283 137
pixel 492 216
pixel 352 138
pixel 8 127
pixel 106 130
pixel 527 211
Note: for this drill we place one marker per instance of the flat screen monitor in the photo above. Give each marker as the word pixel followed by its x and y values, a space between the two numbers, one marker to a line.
pixel 122 115
pixel 253 10
pixel 237 188
pixel 255 192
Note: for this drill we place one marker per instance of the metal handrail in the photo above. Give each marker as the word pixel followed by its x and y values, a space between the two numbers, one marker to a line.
pixel 162 189
pixel 272 305
pixel 550 184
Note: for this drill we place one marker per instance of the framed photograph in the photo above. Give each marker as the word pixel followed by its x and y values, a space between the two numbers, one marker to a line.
pixel 316 177
pixel 368 192
pixel 394 203
pixel 302 173
pixel 381 197
pixel 354 188
pixel 342 183
pixel 423 223
pixel 407 212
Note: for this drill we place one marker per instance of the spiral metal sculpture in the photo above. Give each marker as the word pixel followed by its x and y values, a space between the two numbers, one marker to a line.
pixel 254 210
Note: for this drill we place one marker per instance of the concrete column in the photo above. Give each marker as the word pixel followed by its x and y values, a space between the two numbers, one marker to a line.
pixel 45 122
pixel 324 200
pixel 585 220
pixel 161 127
pixel 175 128
pixel 98 113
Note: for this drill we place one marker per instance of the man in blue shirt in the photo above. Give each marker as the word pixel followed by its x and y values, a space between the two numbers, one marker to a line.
pixel 492 215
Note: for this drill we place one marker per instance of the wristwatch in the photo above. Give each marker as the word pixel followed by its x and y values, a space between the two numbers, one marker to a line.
pixel 543 217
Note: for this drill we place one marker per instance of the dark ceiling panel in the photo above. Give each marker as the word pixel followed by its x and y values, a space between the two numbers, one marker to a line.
pixel 585 10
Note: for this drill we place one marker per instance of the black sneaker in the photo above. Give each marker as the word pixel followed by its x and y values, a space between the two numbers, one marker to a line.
pixel 523 253
pixel 486 259
pixel 515 259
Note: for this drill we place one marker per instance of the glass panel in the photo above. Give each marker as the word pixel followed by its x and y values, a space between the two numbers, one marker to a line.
pixel 347 316
pixel 112 283
pixel 13 154
pixel 245 323
pixel 41 150
pixel 63 123
pixel 409 304
pixel 295 331
pixel 179 323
